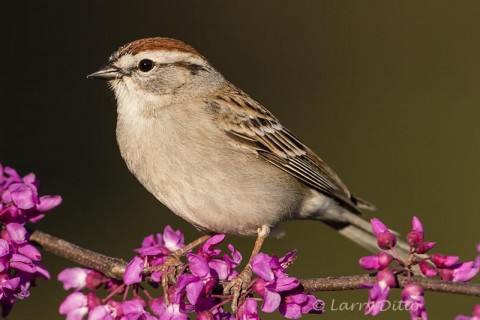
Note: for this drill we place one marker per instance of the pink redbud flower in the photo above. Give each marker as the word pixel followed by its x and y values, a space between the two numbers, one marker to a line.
pixel 385 238
pixel 378 294
pixel 376 262
pixel 443 261
pixel 427 270
pixel 248 310
pixel 414 301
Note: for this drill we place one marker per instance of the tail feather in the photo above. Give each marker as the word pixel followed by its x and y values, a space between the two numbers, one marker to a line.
pixel 364 204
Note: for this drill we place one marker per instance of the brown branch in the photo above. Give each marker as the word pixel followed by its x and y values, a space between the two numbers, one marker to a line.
pixel 114 267
pixel 356 282
pixel 111 267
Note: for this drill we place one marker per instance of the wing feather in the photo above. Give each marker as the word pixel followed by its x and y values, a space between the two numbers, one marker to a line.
pixel 257 129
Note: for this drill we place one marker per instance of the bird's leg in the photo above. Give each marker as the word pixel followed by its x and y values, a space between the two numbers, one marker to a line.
pixel 169 267
pixel 240 283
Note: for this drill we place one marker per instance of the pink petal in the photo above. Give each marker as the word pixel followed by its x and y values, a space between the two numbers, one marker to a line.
pixel 208 248
pixel 415 239
pixel 149 251
pixel 173 239
pixel 41 271
pixel 219 269
pixel 427 270
pixel 378 226
pixel 24 196
pixel 198 266
pixel 298 298
pixel 411 291
pixel 288 259
pixel 101 312
pixel 424 247
pixel 73 301
pixel 16 232
pixel 417 225
pixel 261 267
pixel 271 301
pixel 77 314
pixel 11 284
pixel 149 241
pixel 133 307
pixel 236 258
pixel 157 305
pixel 173 312
pixel 73 278
pixel 194 290
pixel 133 271
pixel 30 252
pixel 22 263
pixel 29 178
pixel 48 203
pixel 386 240
pixel 4 248
pixel 465 272
pixel 387 277
pixel 286 284
pixel 443 261
pixel 248 310
pixel 291 311
pixel 476 311
pixel 369 263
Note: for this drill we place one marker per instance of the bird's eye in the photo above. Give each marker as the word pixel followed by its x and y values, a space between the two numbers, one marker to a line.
pixel 145 65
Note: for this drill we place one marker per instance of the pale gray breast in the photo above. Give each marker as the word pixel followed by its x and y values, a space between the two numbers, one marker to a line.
pixel 203 178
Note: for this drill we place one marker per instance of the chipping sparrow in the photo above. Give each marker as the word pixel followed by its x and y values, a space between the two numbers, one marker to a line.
pixel 213 155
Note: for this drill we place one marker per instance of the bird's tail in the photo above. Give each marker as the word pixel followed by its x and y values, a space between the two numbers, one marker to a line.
pixel 360 231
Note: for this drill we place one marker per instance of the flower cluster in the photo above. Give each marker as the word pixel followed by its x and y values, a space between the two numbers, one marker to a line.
pixel 19 260
pixel 153 253
pixel 78 304
pixel 447 267
pixel 116 305
pixel 281 291
pixel 197 290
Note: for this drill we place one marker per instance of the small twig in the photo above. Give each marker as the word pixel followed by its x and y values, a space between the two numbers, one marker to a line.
pixel 115 268
pixel 357 282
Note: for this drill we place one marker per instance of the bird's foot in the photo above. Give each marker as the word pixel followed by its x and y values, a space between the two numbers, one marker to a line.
pixel 169 269
pixel 238 286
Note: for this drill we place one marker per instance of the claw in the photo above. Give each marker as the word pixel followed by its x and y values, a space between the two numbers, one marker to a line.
pixel 238 286
pixel 169 269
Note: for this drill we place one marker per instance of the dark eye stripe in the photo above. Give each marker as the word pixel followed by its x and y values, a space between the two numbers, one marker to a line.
pixel 192 67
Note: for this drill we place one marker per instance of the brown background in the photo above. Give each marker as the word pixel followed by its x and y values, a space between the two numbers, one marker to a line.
pixel 386 92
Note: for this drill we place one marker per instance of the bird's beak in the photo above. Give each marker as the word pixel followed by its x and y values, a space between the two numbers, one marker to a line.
pixel 107 72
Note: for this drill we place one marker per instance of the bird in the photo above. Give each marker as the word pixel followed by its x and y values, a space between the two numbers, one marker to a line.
pixel 215 156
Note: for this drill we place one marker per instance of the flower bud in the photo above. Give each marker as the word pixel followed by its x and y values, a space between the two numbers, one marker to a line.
pixel 424 247
pixel 205 315
pixel 443 261
pixel 427 270
pixel 377 262
pixel 387 277
pixel 378 226
pixel 386 240
pixel 94 279
pixel 415 239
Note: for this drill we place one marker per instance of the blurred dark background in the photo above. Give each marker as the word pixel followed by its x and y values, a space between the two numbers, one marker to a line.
pixel 386 92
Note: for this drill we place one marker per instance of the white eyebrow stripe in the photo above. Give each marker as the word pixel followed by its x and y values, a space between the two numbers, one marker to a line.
pixel 161 57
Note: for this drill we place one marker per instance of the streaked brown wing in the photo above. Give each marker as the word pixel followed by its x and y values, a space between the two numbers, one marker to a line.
pixel 256 128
